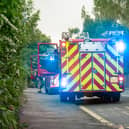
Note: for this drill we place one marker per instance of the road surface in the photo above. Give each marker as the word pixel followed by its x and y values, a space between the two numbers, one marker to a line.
pixel 47 112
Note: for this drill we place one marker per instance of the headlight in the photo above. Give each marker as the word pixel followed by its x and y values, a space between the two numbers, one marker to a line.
pixel 120 46
pixel 52 58
pixel 64 82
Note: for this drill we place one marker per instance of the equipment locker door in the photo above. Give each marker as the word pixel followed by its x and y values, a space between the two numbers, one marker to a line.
pixel 86 71
pixel 98 71
pixel 92 71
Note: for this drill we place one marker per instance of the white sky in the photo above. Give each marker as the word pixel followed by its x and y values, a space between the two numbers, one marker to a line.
pixel 56 16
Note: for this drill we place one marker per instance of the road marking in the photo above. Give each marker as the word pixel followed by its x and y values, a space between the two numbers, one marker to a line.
pixel 101 119
pixel 127 107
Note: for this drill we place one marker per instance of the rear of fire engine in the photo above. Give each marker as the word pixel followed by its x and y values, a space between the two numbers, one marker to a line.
pixel 92 67
pixel 48 66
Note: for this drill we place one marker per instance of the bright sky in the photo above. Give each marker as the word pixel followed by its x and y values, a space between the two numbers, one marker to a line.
pixel 56 16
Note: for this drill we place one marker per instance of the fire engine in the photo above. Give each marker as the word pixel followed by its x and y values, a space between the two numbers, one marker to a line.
pixel 48 66
pixel 91 67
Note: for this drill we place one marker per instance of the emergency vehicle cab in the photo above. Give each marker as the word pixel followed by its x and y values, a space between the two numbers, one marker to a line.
pixel 91 67
pixel 48 66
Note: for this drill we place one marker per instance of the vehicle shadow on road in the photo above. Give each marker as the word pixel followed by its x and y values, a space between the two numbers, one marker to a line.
pixel 92 101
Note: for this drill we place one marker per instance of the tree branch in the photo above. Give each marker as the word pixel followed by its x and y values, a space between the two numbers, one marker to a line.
pixel 7 20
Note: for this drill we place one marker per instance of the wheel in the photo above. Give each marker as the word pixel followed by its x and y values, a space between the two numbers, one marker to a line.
pixel 106 98
pixel 71 97
pixel 47 85
pixel 50 92
pixel 116 97
pixel 63 97
pixel 46 90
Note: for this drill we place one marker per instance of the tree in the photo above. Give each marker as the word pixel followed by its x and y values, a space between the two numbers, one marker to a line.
pixel 18 27
pixel 107 14
pixel 115 10
pixel 73 31
pixel 112 10
pixel 96 27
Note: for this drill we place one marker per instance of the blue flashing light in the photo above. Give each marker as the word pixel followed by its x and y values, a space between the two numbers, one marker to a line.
pixel 52 58
pixel 64 82
pixel 120 46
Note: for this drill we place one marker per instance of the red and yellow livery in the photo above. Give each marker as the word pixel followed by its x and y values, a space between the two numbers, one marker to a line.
pixel 91 68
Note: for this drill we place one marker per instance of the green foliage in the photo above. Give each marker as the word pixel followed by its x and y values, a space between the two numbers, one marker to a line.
pixel 112 10
pixel 96 27
pixel 107 14
pixel 73 31
pixel 18 27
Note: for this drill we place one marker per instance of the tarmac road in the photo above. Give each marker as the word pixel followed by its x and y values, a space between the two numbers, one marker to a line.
pixel 43 111
pixel 115 113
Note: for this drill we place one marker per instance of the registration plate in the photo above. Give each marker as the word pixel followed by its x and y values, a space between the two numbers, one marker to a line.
pixel 114 79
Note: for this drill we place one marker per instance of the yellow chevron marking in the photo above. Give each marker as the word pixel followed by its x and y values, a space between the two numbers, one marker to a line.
pixel 108 88
pixel 116 86
pixel 64 59
pixel 101 82
pixel 108 67
pixel 121 69
pixel 71 84
pixel 76 89
pixel 89 87
pixel 95 87
pixel 64 69
pixel 73 60
pixel 71 51
pixel 83 71
pixel 100 60
pixel 83 82
pixel 114 63
pixel 98 69
pixel 83 60
pixel 74 69
pixel 112 50
pixel 107 77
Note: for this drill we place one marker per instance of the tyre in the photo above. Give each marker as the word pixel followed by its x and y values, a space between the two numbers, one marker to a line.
pixel 71 98
pixel 106 98
pixel 116 97
pixel 63 97
pixel 46 90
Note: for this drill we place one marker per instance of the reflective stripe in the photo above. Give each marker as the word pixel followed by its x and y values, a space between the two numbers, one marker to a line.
pixel 98 76
pixel 86 71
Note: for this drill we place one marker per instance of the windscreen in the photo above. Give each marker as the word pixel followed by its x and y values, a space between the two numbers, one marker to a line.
pixel 47 48
pixel 48 59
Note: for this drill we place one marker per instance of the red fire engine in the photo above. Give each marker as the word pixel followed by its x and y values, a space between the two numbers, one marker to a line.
pixel 48 66
pixel 91 67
